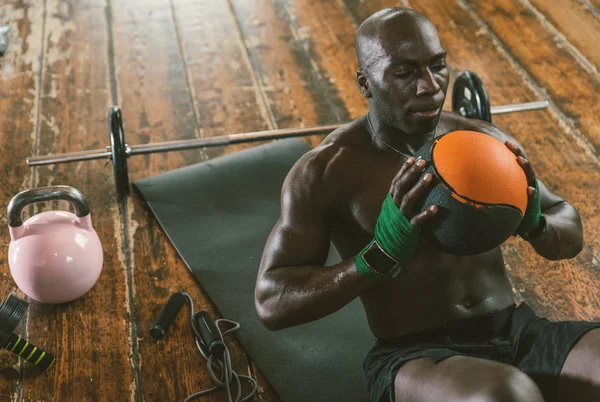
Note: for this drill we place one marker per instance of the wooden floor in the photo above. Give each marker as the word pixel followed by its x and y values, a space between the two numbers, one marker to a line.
pixel 197 68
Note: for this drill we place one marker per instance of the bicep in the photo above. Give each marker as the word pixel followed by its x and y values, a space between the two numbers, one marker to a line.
pixel 302 242
pixel 301 236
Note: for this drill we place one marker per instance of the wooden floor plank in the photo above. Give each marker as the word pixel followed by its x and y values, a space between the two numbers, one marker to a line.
pixel 157 106
pixel 328 34
pixel 89 336
pixel 177 39
pixel 19 85
pixel 594 4
pixel 559 290
pixel 573 89
pixel 578 23
pixel 280 51
pixel 227 94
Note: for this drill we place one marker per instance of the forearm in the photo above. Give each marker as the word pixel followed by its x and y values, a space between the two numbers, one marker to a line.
pixel 289 296
pixel 563 237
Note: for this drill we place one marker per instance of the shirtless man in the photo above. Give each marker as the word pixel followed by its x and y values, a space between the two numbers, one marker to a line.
pixel 447 326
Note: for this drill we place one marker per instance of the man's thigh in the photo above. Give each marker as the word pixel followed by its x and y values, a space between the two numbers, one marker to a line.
pixel 461 378
pixel 543 347
pixel 580 375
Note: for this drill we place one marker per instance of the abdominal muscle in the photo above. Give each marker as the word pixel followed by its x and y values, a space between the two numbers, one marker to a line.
pixel 435 287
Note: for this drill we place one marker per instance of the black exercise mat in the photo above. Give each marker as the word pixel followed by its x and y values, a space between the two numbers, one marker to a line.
pixel 218 215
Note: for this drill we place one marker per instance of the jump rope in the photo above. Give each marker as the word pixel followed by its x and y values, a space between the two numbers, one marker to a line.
pixel 211 345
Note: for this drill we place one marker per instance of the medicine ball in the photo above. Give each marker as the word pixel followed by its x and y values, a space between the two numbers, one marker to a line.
pixel 480 190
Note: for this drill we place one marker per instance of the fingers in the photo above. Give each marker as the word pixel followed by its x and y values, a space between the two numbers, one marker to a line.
pixel 522 161
pixel 513 148
pixel 409 162
pixel 409 199
pixel 424 216
pixel 403 183
pixel 405 192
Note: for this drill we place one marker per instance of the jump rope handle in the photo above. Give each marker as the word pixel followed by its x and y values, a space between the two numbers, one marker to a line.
pixel 209 333
pixel 167 316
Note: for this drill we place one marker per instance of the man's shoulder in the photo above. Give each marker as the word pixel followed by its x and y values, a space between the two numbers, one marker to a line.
pixel 336 154
pixel 326 167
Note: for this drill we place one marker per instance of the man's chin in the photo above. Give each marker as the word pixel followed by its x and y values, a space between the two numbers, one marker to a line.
pixel 424 128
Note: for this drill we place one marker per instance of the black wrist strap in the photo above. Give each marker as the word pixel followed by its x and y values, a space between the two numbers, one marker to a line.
pixel 537 231
pixel 378 260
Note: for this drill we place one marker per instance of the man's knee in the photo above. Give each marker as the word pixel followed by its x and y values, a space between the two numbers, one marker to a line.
pixel 512 386
pixel 464 379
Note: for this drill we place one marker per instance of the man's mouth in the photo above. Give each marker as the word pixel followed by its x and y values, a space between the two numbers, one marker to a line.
pixel 428 113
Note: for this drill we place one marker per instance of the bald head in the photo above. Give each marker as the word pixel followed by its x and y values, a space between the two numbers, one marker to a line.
pixel 402 70
pixel 390 27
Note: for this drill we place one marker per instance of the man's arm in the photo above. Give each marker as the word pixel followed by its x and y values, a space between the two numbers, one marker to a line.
pixel 293 285
pixel 563 236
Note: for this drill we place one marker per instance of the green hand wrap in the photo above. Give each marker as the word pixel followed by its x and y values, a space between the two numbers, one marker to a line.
pixel 532 214
pixel 395 236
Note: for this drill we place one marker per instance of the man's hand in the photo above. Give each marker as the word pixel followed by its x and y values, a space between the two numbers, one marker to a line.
pixel 405 192
pixel 397 231
pixel 527 168
pixel 533 215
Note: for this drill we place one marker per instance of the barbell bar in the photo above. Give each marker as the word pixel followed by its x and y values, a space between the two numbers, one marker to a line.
pixel 469 99
pixel 180 145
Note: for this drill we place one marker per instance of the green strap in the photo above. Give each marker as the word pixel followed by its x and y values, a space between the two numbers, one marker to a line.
pixel 532 213
pixel 395 236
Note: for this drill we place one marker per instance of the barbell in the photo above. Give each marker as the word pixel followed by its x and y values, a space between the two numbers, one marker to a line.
pixel 469 99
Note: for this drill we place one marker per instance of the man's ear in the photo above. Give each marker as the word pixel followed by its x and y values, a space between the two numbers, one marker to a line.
pixel 363 83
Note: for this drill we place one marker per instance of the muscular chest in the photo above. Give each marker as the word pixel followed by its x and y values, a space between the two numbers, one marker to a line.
pixel 365 205
pixel 361 204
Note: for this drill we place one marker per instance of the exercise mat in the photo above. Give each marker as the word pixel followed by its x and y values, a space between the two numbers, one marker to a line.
pixel 218 215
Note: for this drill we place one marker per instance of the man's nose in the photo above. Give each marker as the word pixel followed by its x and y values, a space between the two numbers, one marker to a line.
pixel 426 83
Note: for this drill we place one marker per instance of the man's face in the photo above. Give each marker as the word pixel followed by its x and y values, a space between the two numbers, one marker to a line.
pixel 408 79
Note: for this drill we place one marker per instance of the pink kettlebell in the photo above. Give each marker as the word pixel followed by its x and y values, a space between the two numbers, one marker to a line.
pixel 55 256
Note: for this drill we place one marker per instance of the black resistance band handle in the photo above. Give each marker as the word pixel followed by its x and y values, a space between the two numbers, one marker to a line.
pixel 26 350
pixel 167 316
pixel 209 333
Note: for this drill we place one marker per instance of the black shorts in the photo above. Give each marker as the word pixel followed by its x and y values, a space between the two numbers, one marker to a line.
pixel 515 336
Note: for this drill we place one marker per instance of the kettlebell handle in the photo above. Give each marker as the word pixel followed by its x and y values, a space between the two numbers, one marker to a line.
pixel 24 198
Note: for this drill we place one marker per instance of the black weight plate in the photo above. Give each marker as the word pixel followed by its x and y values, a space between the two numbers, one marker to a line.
pixel 119 152
pixel 19 307
pixel 11 312
pixel 5 331
pixel 470 98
